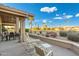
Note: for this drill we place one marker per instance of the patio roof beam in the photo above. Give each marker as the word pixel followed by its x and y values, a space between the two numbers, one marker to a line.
pixel 12 11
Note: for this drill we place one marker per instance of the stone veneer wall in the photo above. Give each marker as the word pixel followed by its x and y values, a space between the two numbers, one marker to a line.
pixel 63 43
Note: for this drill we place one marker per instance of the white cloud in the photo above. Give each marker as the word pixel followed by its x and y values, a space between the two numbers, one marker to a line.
pixel 68 16
pixel 44 21
pixel 48 9
pixel 64 13
pixel 57 14
pixel 57 18
pixel 63 17
pixel 77 15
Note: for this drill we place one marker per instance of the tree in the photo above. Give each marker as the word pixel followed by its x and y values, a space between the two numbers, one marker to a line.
pixel 31 18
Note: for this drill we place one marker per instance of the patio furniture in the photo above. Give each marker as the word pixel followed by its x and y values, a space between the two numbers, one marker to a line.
pixel 4 35
pixel 11 35
pixel 17 35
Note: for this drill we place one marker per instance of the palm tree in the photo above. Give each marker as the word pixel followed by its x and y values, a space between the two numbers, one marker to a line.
pixel 30 25
pixel 31 18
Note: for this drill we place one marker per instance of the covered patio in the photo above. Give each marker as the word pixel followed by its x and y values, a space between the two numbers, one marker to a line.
pixel 13 20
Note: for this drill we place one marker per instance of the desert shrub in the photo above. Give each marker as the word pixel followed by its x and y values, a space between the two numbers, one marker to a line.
pixel 73 37
pixel 26 30
pixel 51 34
pixel 63 33
pixel 72 32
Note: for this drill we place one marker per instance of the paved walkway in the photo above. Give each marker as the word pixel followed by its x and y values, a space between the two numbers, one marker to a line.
pixel 12 48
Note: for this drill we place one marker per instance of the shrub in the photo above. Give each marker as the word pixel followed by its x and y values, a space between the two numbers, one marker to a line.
pixel 26 30
pixel 63 33
pixel 72 32
pixel 51 34
pixel 73 37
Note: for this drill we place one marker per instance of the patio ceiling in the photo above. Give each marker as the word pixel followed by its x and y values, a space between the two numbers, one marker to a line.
pixel 7 18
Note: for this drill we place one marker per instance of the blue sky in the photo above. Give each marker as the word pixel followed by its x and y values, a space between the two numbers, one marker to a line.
pixel 53 14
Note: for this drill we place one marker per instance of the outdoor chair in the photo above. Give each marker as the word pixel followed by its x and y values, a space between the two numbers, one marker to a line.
pixel 11 35
pixel 1 36
pixel 17 35
pixel 4 35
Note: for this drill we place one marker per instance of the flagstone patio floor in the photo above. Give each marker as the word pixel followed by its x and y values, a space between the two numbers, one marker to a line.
pixel 13 48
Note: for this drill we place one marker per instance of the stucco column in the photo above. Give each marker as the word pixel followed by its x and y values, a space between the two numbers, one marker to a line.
pixel 0 24
pixel 17 25
pixel 22 30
